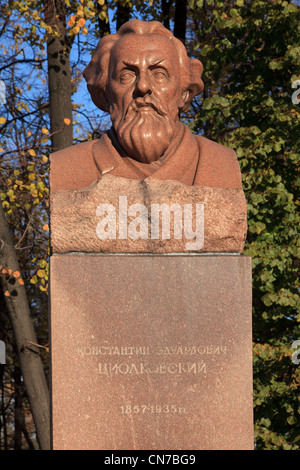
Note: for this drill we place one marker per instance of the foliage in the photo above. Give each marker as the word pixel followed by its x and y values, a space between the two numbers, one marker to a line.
pixel 251 57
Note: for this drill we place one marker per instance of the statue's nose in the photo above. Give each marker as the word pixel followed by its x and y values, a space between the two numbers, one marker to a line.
pixel 143 85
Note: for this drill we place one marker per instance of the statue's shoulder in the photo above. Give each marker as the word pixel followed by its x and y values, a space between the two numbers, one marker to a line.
pixel 218 165
pixel 215 148
pixel 73 167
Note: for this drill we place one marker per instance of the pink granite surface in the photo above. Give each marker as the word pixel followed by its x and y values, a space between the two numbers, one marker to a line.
pixel 151 352
pixel 74 218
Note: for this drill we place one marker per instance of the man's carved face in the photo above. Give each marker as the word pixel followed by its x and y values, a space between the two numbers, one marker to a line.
pixel 144 94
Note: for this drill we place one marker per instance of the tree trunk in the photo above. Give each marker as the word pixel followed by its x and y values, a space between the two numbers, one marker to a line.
pixel 19 312
pixel 180 19
pixel 104 27
pixel 165 5
pixel 19 412
pixel 3 427
pixel 59 76
pixel 123 13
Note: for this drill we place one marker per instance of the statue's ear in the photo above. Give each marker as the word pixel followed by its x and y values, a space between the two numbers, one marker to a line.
pixel 195 85
pixel 99 97
pixel 185 97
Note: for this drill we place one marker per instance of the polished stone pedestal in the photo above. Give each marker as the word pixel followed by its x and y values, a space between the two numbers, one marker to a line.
pixel 151 352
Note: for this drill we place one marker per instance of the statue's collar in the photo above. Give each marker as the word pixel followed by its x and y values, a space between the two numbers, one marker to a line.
pixel 178 163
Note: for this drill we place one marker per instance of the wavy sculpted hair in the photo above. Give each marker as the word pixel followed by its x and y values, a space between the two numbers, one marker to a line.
pixel 96 73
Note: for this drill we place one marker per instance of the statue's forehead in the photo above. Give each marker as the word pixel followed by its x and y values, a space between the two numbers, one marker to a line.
pixel 134 45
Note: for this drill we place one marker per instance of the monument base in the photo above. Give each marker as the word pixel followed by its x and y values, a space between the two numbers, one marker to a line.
pixel 151 352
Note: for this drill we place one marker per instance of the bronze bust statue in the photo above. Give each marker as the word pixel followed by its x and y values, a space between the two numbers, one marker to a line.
pixel 143 77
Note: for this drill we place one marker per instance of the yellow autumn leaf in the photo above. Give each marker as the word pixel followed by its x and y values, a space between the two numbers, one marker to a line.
pixel 32 153
pixel 45 130
pixel 76 30
pixel 2 120
pixel 41 272
pixel 102 15
pixel 34 280
pixel 67 121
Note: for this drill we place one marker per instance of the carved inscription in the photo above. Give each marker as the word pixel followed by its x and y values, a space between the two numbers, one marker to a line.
pixel 111 369
pixel 146 350
pixel 145 360
pixel 158 409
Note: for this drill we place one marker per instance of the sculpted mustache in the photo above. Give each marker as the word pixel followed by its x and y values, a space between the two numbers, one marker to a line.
pixel 141 103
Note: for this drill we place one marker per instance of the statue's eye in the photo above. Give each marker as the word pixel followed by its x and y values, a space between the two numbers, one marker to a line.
pixel 127 77
pixel 160 75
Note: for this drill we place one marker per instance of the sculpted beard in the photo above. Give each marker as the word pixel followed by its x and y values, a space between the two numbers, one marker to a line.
pixel 145 130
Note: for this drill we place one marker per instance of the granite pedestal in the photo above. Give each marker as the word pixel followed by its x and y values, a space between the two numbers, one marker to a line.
pixel 151 352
